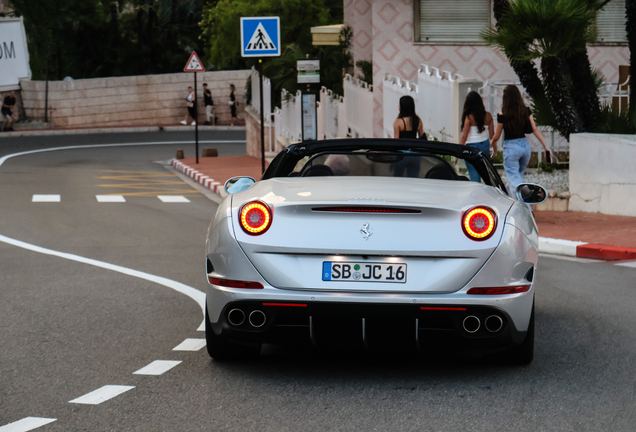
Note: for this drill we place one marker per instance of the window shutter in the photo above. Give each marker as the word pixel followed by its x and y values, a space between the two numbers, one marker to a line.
pixel 610 22
pixel 453 20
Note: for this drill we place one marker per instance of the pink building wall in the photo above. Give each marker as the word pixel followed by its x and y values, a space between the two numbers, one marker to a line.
pixel 383 34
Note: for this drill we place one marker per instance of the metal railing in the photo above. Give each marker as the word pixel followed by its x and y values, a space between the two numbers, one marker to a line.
pixel 359 106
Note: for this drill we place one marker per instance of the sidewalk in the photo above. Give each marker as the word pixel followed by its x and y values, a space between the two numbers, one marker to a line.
pixel 584 235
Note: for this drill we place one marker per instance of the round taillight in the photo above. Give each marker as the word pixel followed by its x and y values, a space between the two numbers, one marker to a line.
pixel 256 217
pixel 479 223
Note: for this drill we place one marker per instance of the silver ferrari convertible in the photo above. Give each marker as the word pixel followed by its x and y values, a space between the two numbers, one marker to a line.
pixel 376 243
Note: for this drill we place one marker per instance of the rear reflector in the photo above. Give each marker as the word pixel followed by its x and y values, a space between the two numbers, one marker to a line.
pixel 444 308
pixel 286 304
pixel 500 290
pixel 366 210
pixel 234 283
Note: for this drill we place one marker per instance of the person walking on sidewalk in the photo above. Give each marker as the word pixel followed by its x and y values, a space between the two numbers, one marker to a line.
pixel 233 103
pixel 190 108
pixel 515 119
pixel 209 104
pixel 407 125
pixel 478 128
pixel 7 111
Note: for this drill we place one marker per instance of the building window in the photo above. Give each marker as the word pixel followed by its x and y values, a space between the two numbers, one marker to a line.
pixel 452 20
pixel 610 23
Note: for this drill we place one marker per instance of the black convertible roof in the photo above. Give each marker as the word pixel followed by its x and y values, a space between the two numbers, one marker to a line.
pixel 349 144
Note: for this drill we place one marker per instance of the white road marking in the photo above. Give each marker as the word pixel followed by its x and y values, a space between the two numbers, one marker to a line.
pixel 173 199
pixel 110 198
pixel 190 344
pixel 157 367
pixel 102 394
pixel 46 198
pixel 26 424
pixel 627 264
pixel 194 294
pixel 570 258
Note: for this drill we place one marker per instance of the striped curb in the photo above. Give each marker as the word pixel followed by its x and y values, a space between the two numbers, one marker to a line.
pixel 585 250
pixel 200 178
pixel 546 245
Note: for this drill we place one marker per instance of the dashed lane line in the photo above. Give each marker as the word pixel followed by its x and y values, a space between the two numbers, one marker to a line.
pixel 173 199
pixel 157 367
pixel 110 198
pixel 193 293
pixel 627 264
pixel 46 198
pixel 26 424
pixel 190 344
pixel 102 394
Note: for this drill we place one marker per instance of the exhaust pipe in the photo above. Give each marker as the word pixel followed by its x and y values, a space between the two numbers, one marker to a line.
pixel 493 323
pixel 257 319
pixel 471 324
pixel 236 317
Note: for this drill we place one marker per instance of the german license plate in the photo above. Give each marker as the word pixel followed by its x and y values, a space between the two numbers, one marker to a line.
pixel 363 272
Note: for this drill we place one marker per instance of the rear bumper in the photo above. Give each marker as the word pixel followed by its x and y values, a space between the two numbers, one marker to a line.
pixel 379 325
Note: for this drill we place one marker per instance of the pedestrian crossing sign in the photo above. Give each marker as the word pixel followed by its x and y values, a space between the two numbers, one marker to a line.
pixel 260 36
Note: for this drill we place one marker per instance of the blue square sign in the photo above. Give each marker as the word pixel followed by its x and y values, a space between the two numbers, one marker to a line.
pixel 260 36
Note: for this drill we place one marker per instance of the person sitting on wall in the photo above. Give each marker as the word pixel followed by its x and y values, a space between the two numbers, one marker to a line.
pixel 7 111
pixel 190 108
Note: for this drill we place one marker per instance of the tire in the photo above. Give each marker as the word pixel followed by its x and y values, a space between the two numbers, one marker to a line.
pixel 523 354
pixel 221 349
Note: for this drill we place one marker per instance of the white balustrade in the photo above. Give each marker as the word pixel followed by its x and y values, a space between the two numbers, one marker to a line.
pixel 330 105
pixel 359 106
pixel 291 111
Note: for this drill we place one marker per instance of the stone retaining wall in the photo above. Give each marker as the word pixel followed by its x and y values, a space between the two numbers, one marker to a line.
pixel 603 174
pixel 133 100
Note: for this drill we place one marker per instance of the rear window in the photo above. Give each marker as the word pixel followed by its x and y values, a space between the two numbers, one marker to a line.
pixel 382 164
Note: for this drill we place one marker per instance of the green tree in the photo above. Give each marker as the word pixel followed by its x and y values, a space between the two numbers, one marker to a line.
pixel 221 26
pixel 549 30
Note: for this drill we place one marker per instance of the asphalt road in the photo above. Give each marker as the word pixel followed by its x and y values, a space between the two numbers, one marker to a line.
pixel 69 328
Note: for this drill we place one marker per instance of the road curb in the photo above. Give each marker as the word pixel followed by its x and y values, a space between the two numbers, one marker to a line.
pixel 200 178
pixel 585 250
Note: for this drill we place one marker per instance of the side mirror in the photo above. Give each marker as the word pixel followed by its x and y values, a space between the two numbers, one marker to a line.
pixel 238 184
pixel 531 193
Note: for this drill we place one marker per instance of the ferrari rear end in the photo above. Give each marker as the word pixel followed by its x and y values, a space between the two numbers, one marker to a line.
pixel 373 262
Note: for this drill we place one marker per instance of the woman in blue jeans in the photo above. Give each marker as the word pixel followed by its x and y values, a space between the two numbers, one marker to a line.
pixel 477 126
pixel 515 119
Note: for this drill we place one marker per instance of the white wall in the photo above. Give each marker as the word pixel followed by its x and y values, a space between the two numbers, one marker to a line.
pixel 603 174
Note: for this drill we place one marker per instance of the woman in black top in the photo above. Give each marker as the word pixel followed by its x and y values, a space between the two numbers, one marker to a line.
pixel 407 125
pixel 233 103
pixel 515 119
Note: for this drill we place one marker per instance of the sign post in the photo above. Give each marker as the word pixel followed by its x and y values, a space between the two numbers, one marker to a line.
pixel 260 37
pixel 309 73
pixel 194 65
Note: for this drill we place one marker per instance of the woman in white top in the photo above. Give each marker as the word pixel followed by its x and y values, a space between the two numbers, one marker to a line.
pixel 478 128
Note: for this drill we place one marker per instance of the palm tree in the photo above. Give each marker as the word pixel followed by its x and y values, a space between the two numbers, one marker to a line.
pixel 525 69
pixel 548 30
pixel 630 26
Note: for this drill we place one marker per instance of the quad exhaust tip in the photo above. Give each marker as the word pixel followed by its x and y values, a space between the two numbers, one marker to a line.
pixel 471 324
pixel 236 317
pixel 493 323
pixel 257 319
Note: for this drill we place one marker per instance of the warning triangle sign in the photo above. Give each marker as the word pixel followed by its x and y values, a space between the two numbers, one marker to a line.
pixel 194 64
pixel 260 40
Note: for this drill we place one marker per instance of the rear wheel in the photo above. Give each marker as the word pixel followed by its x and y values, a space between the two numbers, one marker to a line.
pixel 220 348
pixel 524 353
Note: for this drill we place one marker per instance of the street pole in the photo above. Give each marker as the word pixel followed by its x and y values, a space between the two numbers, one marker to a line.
pixel 260 87
pixel 196 118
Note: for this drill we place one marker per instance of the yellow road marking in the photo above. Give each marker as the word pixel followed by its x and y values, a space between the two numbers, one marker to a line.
pixel 152 183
